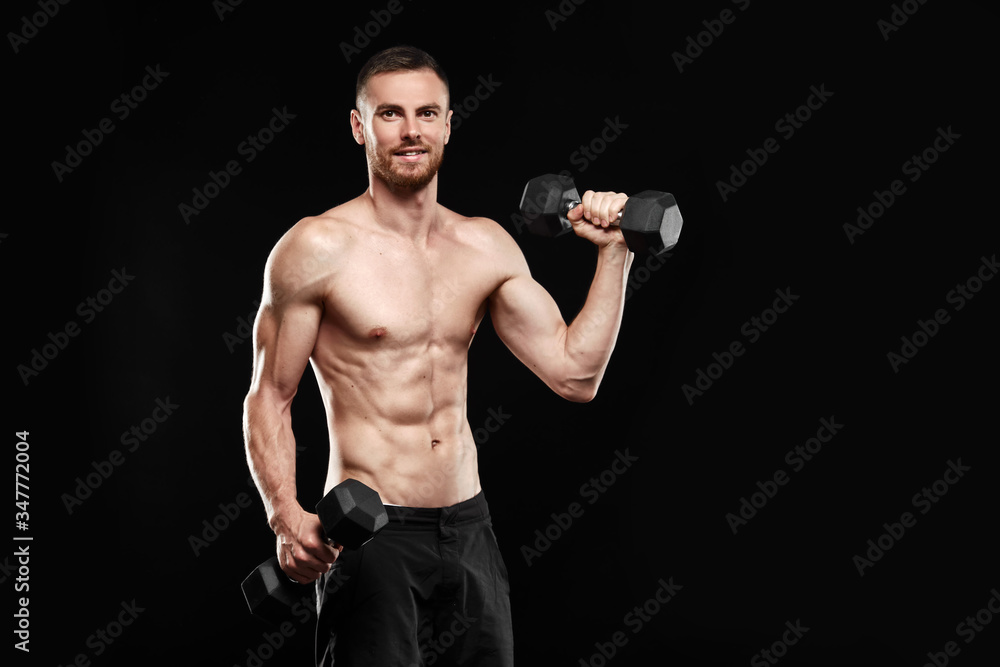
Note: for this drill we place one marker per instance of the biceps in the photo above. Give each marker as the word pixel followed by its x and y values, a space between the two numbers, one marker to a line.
pixel 283 341
pixel 528 321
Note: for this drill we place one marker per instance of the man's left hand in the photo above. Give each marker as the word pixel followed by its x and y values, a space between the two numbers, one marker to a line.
pixel 596 218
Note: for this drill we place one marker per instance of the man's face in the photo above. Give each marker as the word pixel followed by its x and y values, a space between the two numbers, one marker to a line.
pixel 404 123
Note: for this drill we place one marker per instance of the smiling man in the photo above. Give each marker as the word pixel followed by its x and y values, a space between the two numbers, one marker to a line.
pixel 383 295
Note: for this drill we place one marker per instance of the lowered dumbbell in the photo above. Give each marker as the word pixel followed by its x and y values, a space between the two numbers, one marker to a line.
pixel 650 222
pixel 351 514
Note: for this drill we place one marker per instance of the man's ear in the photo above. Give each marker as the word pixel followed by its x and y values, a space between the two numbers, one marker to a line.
pixel 447 126
pixel 357 128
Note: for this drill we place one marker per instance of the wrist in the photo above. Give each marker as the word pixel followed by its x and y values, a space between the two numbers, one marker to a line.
pixel 282 515
pixel 615 251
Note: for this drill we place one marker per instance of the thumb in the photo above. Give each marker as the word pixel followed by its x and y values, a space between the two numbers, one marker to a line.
pixel 575 214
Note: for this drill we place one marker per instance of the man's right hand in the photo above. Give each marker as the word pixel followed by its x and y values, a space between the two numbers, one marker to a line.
pixel 303 552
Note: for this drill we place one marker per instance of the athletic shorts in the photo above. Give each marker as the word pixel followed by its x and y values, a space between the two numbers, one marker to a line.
pixel 430 589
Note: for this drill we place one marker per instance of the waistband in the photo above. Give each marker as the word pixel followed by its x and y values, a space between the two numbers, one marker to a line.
pixel 468 511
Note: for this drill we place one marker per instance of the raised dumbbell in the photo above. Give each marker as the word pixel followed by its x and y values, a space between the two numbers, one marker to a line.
pixel 351 514
pixel 650 222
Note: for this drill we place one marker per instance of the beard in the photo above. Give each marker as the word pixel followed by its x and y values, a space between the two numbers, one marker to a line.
pixel 402 175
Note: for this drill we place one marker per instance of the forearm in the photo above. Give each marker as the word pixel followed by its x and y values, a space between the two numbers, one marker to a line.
pixel 270 449
pixel 591 337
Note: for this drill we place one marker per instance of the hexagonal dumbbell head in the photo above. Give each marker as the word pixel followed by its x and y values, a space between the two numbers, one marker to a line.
pixel 270 594
pixel 545 203
pixel 351 513
pixel 652 222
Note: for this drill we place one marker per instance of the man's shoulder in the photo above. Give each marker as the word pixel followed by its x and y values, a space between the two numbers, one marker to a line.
pixel 331 226
pixel 312 245
pixel 327 230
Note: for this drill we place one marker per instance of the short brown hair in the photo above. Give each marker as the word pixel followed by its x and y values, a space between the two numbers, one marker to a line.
pixel 397 59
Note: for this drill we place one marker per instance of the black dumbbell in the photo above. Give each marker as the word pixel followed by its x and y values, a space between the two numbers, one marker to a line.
pixel 351 513
pixel 651 222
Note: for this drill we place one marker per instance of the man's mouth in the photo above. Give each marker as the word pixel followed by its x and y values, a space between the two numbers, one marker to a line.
pixel 411 153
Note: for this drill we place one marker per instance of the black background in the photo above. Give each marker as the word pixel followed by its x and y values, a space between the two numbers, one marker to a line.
pixel 164 336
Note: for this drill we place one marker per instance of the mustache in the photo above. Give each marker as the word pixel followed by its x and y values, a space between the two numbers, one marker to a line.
pixel 411 147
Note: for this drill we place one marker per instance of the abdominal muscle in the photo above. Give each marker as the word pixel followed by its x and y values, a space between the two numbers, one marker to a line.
pixel 397 419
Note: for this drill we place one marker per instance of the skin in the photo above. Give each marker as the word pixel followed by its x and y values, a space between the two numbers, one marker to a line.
pixel 382 295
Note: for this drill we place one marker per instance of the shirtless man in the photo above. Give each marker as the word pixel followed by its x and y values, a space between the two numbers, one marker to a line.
pixel 383 295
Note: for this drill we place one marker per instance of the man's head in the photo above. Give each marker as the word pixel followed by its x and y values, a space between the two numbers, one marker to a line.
pixel 402 116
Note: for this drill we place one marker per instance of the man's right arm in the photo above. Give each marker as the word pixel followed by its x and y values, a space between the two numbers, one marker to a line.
pixel 285 333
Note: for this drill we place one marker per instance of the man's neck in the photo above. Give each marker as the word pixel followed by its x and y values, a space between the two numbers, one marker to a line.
pixel 410 213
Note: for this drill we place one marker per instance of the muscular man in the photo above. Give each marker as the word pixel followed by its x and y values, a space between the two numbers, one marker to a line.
pixel 383 295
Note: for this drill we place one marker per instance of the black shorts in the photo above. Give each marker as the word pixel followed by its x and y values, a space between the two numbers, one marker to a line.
pixel 430 589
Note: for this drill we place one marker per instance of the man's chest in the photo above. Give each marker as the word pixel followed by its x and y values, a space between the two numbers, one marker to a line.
pixel 410 297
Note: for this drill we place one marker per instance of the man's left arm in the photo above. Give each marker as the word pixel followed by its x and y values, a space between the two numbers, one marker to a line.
pixel 570 359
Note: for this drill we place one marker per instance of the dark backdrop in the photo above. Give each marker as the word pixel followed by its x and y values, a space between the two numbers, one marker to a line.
pixel 885 349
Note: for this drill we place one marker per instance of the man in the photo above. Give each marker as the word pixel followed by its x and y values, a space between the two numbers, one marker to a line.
pixel 383 295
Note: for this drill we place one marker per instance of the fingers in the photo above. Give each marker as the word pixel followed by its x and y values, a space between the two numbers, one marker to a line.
pixel 304 564
pixel 602 208
pixel 304 553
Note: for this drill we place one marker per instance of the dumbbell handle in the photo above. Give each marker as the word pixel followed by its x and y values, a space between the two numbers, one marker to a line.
pixel 572 203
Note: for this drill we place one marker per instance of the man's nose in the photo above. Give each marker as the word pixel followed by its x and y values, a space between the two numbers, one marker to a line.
pixel 411 129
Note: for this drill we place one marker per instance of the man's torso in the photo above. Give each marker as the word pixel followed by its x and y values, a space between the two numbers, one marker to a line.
pixel 391 355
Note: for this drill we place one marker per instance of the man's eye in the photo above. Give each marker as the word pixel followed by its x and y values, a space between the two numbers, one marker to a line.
pixel 388 114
